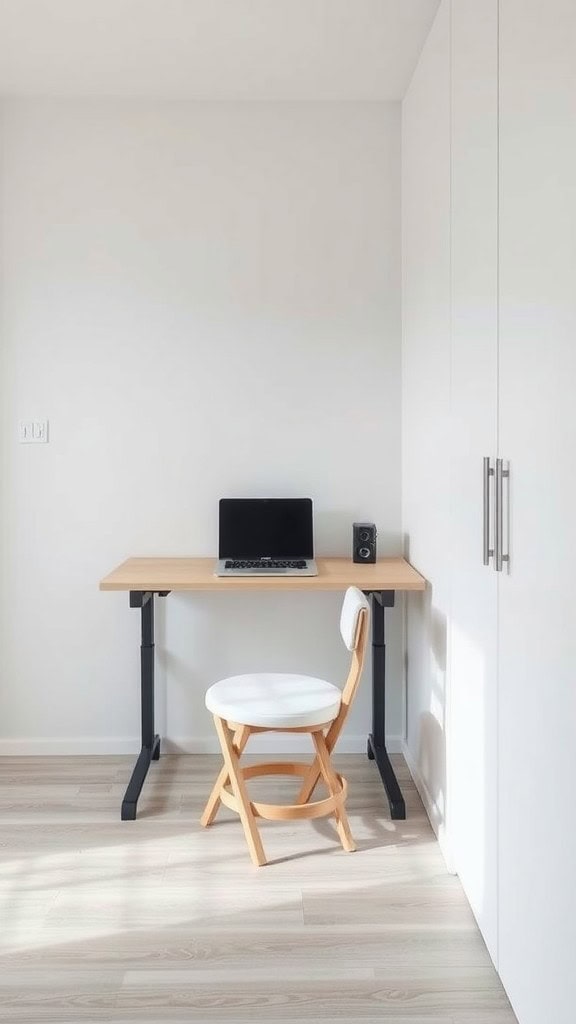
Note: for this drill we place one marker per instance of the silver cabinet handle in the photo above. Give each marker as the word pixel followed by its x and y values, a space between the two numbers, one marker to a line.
pixel 488 552
pixel 499 556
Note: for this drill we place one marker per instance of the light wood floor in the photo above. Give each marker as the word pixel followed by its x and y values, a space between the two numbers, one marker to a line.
pixel 158 920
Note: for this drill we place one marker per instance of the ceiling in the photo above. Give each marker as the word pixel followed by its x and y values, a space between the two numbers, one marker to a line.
pixel 212 49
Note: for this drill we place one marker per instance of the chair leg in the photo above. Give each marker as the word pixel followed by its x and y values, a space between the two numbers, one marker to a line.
pixel 240 792
pixel 212 806
pixel 329 776
pixel 310 782
pixel 311 779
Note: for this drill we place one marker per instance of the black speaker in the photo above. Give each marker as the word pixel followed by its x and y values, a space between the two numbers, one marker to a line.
pixel 363 542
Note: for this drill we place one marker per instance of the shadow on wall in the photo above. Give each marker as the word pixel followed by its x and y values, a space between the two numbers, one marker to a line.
pixel 426 661
pixel 432 766
pixel 438 635
pixel 432 718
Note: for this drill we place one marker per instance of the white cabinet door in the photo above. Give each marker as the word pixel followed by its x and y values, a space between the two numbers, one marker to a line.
pixel 537 599
pixel 472 747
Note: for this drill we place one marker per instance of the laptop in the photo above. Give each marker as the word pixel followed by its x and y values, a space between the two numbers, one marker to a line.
pixel 265 537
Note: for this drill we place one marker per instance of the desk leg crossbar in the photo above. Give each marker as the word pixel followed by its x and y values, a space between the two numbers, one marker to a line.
pixel 150 749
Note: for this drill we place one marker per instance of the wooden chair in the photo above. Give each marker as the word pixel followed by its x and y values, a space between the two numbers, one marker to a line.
pixel 278 702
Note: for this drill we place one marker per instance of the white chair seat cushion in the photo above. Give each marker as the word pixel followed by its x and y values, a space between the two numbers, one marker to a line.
pixel 274 700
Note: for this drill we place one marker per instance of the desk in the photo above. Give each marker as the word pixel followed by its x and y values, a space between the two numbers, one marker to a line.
pixel 144 578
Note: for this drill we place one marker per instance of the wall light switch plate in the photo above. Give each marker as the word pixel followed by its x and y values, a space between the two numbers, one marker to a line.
pixel 33 431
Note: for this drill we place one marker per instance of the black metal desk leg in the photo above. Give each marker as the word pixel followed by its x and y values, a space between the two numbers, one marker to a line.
pixel 150 749
pixel 377 739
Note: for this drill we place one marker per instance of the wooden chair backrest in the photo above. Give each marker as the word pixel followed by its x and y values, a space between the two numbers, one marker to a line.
pixel 358 656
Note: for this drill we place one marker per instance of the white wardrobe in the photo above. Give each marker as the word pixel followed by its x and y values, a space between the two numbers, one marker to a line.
pixel 497 79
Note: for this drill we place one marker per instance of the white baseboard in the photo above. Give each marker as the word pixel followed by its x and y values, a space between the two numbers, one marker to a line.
pixel 79 746
pixel 88 745
pixel 394 744
pixel 430 806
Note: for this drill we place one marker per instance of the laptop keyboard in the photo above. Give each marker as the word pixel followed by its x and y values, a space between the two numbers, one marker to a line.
pixel 266 563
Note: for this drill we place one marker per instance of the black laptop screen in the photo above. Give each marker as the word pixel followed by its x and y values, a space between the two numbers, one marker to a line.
pixel 266 528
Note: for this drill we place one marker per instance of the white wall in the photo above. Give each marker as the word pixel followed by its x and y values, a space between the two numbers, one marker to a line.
pixel 426 406
pixel 203 300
